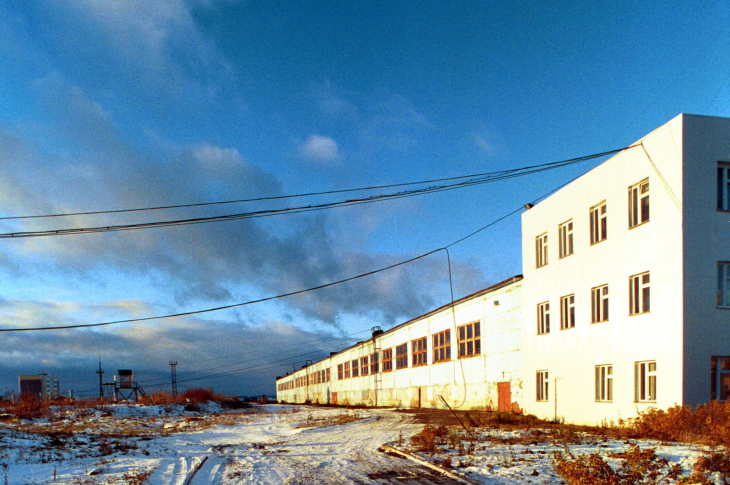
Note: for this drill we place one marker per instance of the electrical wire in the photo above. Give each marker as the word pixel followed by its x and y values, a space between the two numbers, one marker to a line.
pixel 295 210
pixel 275 297
pixel 281 197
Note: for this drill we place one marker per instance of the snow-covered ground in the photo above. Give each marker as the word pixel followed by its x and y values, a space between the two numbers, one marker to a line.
pixel 518 457
pixel 269 444
pixel 167 445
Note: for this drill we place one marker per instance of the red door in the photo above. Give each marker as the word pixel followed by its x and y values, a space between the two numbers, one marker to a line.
pixel 504 392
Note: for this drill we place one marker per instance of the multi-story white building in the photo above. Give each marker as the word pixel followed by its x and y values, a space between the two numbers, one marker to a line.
pixel 627 280
pixel 625 301
pixel 468 353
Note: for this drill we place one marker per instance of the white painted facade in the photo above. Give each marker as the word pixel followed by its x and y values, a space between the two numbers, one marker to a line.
pixel 471 382
pixel 679 247
pixel 660 339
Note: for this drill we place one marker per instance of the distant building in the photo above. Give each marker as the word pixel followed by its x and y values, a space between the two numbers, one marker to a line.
pixel 41 385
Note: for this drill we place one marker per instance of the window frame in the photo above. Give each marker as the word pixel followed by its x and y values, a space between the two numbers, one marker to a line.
pixel 340 372
pixel 567 312
pixel 475 340
pixel 599 223
pixel 419 352
pixel 355 367
pixel 723 284
pixel 374 363
pixel 442 346
pixel 541 250
pixel 401 356
pixel 604 383
pixel 543 318
pixel 542 383
pixel 716 374
pixel 645 381
pixel 365 366
pixel 639 293
pixel 637 198
pixel 565 239
pixel 388 360
pixel 599 312
pixel 723 186
pixel 347 369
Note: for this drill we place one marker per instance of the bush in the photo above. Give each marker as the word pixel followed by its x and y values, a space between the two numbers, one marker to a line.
pixel 200 394
pixel 29 407
pixel 429 437
pixel 708 423
pixel 159 398
pixel 638 467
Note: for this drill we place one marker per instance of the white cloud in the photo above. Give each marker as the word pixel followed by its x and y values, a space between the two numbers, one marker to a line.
pixel 211 155
pixel 320 148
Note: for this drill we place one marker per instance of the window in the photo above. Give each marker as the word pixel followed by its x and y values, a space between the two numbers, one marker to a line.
pixel 565 238
pixel 567 312
pixel 419 349
pixel 401 356
pixel 328 374
pixel 645 381
pixel 541 254
pixel 723 284
pixel 387 360
pixel 599 304
pixel 470 343
pixel 604 383
pixel 347 370
pixel 543 318
pixel 364 366
pixel 720 378
pixel 356 368
pixel 639 294
pixel 542 385
pixel 599 226
pixel 442 346
pixel 639 203
pixel 374 367
pixel 723 186
pixel 340 372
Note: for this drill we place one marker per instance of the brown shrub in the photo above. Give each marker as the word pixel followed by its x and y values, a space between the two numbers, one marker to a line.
pixel 29 407
pixel 708 423
pixel 428 438
pixel 159 398
pixel 200 394
pixel 638 467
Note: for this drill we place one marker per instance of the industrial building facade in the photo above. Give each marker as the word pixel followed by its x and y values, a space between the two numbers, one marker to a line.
pixel 625 301
pixel 468 354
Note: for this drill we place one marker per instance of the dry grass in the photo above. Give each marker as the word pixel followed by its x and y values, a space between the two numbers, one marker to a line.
pixel 428 439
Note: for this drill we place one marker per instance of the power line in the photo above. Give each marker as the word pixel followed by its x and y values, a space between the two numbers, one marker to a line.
pixel 291 196
pixel 298 292
pixel 295 210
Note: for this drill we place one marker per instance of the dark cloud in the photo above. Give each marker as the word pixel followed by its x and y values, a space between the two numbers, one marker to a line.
pixel 232 358
pixel 203 263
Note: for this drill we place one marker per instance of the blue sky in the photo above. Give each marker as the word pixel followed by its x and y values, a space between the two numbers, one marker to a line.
pixel 107 105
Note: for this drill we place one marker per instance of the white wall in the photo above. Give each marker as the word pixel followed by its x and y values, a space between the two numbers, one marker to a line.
pixel 570 356
pixel 707 241
pixel 468 383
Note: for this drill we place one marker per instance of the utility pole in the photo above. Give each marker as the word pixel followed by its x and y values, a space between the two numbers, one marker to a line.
pixel 173 369
pixel 101 380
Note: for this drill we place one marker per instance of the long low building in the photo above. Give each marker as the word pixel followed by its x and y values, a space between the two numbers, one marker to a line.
pixel 468 353
pixel 652 225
